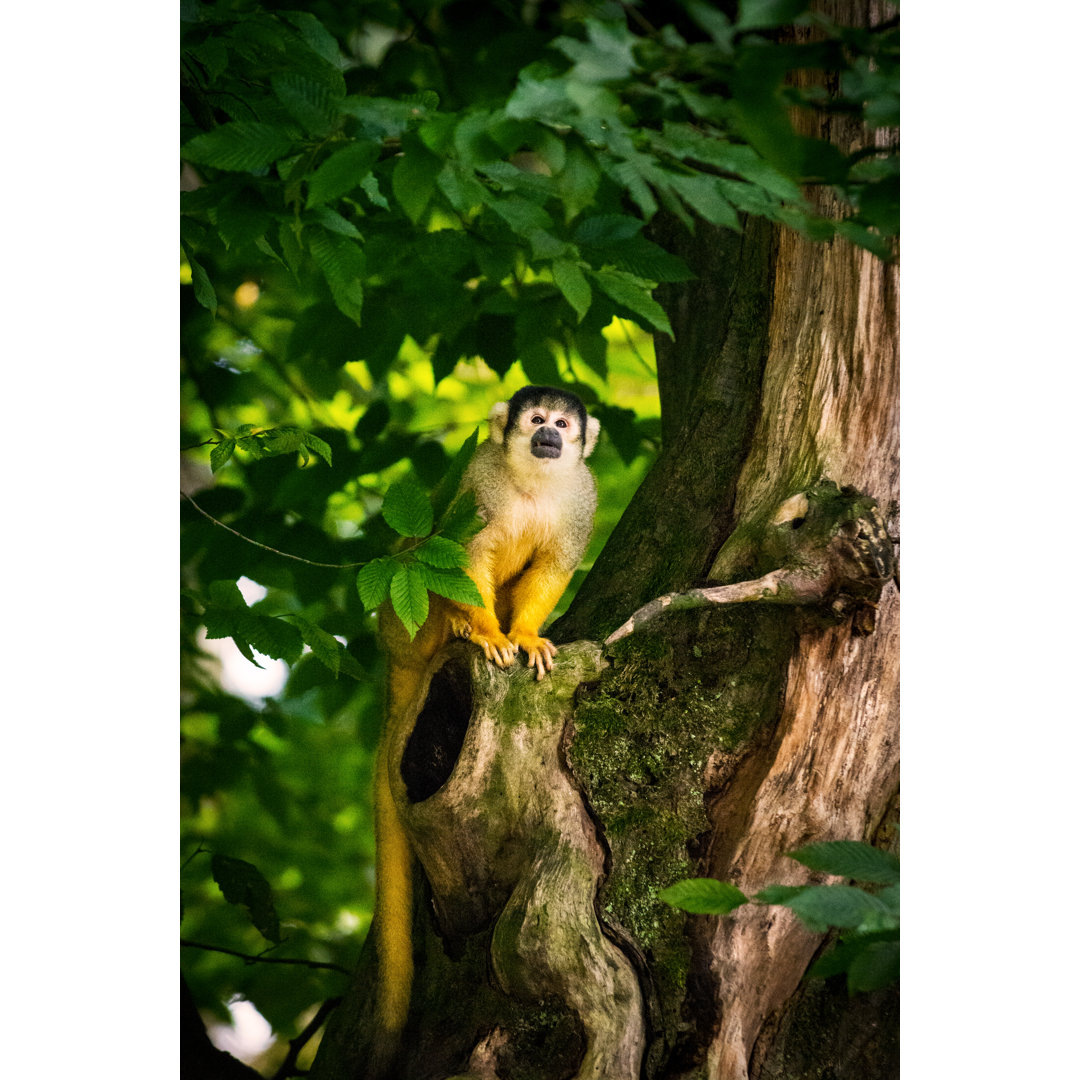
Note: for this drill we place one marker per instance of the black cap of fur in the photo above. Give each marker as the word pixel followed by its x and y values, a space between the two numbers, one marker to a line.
pixel 529 396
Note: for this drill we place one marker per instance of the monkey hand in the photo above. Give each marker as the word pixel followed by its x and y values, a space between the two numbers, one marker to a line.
pixel 479 626
pixel 498 648
pixel 539 651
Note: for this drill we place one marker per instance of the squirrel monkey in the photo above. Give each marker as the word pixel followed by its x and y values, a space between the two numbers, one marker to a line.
pixel 537 499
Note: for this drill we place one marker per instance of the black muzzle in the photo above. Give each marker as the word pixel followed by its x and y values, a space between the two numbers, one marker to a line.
pixel 546 443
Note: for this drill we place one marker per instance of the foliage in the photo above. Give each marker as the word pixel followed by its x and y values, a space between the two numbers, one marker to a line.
pixel 868 949
pixel 392 216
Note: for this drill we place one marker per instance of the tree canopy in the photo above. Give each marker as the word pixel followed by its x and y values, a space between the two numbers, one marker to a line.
pixel 392 216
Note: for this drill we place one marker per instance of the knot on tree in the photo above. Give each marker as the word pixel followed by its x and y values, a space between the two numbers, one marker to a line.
pixel 826 547
pixel 507 843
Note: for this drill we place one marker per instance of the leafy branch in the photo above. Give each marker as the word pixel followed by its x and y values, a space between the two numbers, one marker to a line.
pixel 868 919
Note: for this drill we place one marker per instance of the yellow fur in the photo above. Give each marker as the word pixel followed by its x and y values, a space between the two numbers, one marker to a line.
pixel 538 515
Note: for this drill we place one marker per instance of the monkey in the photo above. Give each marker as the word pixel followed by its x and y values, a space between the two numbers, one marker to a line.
pixel 537 499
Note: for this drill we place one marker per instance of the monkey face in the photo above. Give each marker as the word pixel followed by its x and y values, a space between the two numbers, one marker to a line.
pixel 546 427
pixel 546 442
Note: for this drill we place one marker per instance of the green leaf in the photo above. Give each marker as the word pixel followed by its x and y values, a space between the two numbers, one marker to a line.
pixel 440 552
pixel 633 294
pixel 318 446
pixel 540 95
pixel 607 229
pixel 461 522
pixel 241 883
pixel 409 596
pixel 325 646
pixel 777 894
pixel 239 146
pixel 845 906
pixel 704 896
pixel 273 637
pixel 221 454
pixel 413 181
pixel 572 285
pixel 312 103
pixel 342 264
pixel 330 219
pixel 850 859
pixel 407 509
pixel 204 289
pixel 577 181
pixel 341 172
pixel 460 186
pixel 766 14
pixel 320 40
pixel 702 195
pixel 454 584
pixel 373 581
pixel 521 214
pixel 607 56
pixel 226 594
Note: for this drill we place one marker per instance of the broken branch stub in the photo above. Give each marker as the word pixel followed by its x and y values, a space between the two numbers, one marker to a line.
pixel 826 546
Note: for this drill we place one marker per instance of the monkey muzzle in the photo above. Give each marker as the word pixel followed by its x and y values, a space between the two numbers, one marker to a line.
pixel 546 443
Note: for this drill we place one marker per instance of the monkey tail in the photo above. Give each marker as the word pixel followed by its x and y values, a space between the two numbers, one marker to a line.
pixel 393 914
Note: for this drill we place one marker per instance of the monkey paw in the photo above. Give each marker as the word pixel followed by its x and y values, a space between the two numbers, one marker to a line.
pixel 539 651
pixel 498 648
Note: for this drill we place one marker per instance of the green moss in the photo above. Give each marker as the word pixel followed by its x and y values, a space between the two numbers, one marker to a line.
pixel 705 682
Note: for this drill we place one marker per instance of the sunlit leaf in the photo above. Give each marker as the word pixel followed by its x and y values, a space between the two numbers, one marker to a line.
pixel 373 581
pixel 221 453
pixel 409 596
pixel 454 584
pixel 704 896
pixel 407 509
pixel 440 552
pixel 633 294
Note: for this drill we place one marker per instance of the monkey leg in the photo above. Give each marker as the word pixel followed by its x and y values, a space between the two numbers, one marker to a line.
pixel 480 624
pixel 535 596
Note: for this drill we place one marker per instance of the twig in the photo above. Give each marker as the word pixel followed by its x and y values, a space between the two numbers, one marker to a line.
pixel 249 959
pixel 267 547
pixel 296 1045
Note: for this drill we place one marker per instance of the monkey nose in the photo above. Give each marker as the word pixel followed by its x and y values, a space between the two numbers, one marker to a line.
pixel 546 442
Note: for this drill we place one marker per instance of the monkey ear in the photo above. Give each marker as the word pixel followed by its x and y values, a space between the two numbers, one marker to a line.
pixel 497 420
pixel 592 433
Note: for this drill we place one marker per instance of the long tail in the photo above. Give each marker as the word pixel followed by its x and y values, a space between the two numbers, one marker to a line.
pixel 393 911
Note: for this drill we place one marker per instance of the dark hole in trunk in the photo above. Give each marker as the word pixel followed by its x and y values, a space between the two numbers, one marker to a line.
pixel 436 740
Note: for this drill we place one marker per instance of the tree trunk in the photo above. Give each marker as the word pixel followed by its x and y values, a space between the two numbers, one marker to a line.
pixel 711 741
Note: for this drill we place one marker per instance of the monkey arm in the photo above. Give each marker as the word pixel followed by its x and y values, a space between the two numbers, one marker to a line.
pixel 535 597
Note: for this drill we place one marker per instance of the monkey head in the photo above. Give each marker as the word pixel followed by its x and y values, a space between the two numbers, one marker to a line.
pixel 544 426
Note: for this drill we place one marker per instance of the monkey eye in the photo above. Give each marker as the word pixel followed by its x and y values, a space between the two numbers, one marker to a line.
pixel 538 419
pixel 560 423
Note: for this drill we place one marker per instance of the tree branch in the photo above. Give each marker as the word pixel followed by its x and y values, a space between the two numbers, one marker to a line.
pixel 249 959
pixel 778 587
pixel 267 547
pixel 288 1066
